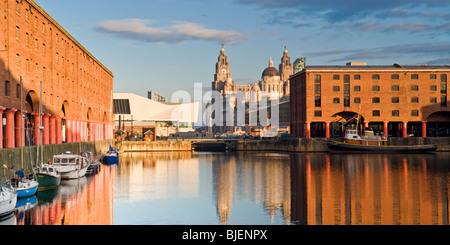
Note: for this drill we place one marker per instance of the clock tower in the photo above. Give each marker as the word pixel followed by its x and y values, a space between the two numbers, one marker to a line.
pixel 222 71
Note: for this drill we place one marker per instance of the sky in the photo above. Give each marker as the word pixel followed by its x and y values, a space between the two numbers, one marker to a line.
pixel 169 45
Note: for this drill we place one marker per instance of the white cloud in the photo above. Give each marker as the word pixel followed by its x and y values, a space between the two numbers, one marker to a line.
pixel 141 29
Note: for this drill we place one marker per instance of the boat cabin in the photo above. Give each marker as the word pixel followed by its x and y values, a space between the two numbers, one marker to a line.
pixel 369 138
pixel 68 159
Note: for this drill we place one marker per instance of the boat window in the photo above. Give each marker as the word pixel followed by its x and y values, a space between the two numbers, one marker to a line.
pixel 51 169
pixel 72 160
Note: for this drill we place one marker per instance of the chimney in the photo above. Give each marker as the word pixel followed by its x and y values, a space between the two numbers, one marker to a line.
pixel 356 64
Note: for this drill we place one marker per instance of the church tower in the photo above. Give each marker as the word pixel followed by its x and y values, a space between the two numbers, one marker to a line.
pixel 222 71
pixel 286 67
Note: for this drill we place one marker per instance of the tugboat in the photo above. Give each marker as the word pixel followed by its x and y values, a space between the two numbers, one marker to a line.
pixel 369 142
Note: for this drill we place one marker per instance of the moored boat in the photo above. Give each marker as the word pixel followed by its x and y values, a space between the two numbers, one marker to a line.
pixel 48 176
pixel 111 157
pixel 8 199
pixel 25 186
pixel 71 166
pixel 354 142
pixel 94 164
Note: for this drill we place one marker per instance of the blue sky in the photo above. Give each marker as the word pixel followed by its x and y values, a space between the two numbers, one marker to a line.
pixel 168 45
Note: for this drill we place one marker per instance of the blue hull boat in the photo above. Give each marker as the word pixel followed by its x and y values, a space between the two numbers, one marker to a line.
pixel 109 160
pixel 111 157
pixel 24 186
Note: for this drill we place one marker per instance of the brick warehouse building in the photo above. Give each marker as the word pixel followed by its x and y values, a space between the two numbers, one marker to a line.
pixel 398 101
pixel 76 87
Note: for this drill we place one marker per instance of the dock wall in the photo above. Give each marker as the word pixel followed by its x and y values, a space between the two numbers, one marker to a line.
pixel 285 145
pixel 149 146
pixel 320 144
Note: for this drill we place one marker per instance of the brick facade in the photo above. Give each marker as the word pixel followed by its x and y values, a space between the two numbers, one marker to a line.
pixel 76 87
pixel 394 100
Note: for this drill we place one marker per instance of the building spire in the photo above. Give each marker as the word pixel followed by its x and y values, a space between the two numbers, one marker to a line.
pixel 270 62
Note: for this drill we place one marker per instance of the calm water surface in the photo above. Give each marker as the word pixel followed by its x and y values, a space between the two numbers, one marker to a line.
pixel 250 188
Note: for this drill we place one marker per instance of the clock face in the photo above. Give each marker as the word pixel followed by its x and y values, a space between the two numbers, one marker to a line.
pixel 224 71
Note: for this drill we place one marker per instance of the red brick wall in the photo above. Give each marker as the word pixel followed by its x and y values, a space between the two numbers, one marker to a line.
pixel 303 100
pixel 73 77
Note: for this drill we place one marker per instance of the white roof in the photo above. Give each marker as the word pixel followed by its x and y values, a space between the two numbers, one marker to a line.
pixel 144 109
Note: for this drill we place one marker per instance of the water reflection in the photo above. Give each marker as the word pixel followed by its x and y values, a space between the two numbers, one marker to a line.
pixel 274 188
pixel 250 188
pixel 370 189
pixel 84 201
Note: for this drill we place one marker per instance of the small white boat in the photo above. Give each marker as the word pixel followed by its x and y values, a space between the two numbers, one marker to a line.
pixel 25 186
pixel 8 199
pixel 94 165
pixel 71 166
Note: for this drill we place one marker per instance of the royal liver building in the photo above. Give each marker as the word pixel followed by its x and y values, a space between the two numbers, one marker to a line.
pixel 273 88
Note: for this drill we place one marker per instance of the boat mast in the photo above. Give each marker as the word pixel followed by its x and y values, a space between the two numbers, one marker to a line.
pixel 21 122
pixel 41 128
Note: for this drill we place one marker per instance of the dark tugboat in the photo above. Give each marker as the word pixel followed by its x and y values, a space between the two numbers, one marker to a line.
pixel 369 142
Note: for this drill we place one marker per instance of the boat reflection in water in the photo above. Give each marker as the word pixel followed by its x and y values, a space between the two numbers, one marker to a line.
pixel 247 188
pixel 274 188
pixel 370 189
pixel 84 201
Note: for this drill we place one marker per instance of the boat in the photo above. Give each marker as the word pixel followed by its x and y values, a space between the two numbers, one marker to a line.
pixel 111 157
pixel 8 199
pixel 94 164
pixel 71 166
pixel 48 176
pixel 369 142
pixel 25 186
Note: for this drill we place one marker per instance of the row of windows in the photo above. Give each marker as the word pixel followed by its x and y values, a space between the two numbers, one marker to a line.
pixel 377 113
pixel 376 100
pixel 377 77
pixel 8 93
pixel 376 88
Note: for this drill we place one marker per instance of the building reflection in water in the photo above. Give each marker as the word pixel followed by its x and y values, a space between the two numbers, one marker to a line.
pixel 157 175
pixel 84 201
pixel 370 189
pixel 255 188
pixel 263 178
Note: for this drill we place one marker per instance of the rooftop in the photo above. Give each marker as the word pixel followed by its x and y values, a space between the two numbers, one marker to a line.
pixel 361 67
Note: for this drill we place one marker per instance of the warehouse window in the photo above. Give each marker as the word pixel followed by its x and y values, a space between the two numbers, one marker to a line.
pixel 395 88
pixel 395 100
pixel 7 88
pixel 395 113
pixel 376 113
pixel 375 88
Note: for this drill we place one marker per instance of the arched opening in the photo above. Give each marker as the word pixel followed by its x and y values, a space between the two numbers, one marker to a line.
pixel 89 117
pixel 345 119
pixel 65 109
pixel 438 124
pixel 31 105
pixel 32 102
pixel 65 112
